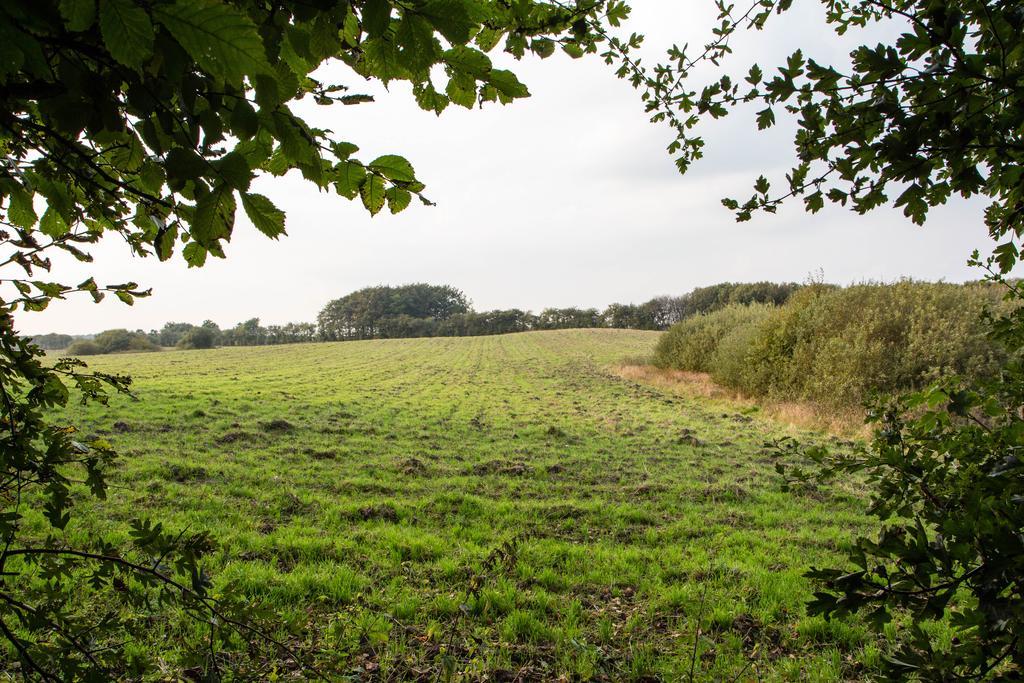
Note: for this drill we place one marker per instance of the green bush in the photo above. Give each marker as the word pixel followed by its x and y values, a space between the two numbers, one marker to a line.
pixel 731 362
pixel 84 347
pixel 198 338
pixel 836 346
pixel 112 341
pixel 692 343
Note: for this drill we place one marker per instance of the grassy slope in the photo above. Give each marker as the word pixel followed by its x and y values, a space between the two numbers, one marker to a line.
pixel 412 461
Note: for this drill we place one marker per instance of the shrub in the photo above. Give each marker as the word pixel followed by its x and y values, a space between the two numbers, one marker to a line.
pixel 848 343
pixel 84 347
pixel 112 341
pixel 198 338
pixel 692 343
pixel 836 346
pixel 731 362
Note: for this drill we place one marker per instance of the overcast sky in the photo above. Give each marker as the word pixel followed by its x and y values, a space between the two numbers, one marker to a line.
pixel 567 198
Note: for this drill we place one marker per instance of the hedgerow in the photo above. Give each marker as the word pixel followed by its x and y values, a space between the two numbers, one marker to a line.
pixel 838 346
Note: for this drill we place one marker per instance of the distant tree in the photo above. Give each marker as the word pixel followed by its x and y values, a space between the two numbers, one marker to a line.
pixel 247 333
pixel 198 338
pixel 171 333
pixel 53 341
pixel 405 326
pixel 361 314
pixel 301 332
pixel 646 316
pixel 507 321
pixel 421 300
pixel 668 310
pixel 568 318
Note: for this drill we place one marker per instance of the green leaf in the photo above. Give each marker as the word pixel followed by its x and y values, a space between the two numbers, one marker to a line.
pixel 234 170
pixel 617 12
pixel 755 75
pixel 294 143
pixel 194 254
pixel 20 211
pixel 469 60
pixel 393 167
pixel 214 217
pixel 429 99
pixel 267 218
pixel 151 175
pixel 218 36
pixel 765 118
pixel 350 29
pixel 573 50
pixel 244 121
pixel 164 242
pixel 78 15
pixel 543 47
pixel 52 224
pixel 349 177
pixel 325 39
pixel 415 40
pixel 507 84
pixel 184 164
pixel 382 60
pixel 376 17
pixel 11 56
pixel 127 31
pixel 451 18
pixel 398 198
pixel 372 193
pixel 343 150
pixel 129 153
pixel 50 288
pixel 462 91
pixel 488 38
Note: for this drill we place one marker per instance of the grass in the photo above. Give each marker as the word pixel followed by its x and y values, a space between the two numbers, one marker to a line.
pixel 492 508
pixel 797 415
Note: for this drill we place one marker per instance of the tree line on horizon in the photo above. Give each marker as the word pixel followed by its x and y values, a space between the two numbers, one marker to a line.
pixel 420 310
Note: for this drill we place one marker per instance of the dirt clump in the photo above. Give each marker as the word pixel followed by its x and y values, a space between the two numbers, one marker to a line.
pixel 382 512
pixel 278 425
pixel 232 437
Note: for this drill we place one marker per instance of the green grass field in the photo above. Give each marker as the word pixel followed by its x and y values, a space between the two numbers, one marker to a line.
pixel 492 508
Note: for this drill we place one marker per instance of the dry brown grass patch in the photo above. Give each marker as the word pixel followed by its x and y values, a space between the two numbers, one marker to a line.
pixel 795 415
